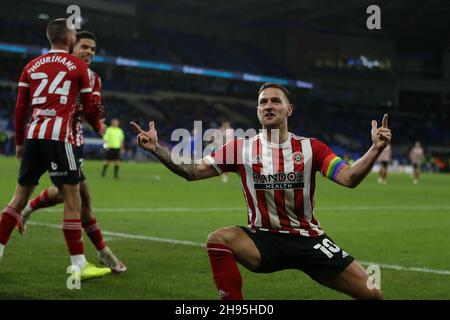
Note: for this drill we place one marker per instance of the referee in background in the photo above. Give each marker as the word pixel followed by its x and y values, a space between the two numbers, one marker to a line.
pixel 114 144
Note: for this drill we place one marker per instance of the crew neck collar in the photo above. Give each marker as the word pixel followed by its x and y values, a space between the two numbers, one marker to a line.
pixel 269 144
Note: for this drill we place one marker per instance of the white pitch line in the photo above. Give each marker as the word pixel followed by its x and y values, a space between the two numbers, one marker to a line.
pixel 231 209
pixel 198 244
pixel 395 267
pixel 154 209
pixel 128 236
pixel 369 208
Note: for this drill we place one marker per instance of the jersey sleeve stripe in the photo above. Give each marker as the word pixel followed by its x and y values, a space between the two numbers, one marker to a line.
pixel 213 163
pixel 24 84
pixel 96 93
pixel 86 90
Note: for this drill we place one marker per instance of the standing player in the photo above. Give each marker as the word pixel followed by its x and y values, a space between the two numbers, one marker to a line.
pixel 84 49
pixel 416 155
pixel 385 159
pixel 277 170
pixel 50 84
pixel 114 141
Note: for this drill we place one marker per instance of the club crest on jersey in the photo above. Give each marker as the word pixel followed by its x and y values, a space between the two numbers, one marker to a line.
pixel 298 157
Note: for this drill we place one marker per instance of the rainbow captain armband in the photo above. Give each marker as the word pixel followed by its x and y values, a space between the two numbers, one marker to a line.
pixel 332 165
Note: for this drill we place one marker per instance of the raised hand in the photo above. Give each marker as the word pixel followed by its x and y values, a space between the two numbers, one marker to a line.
pixel 146 139
pixel 381 136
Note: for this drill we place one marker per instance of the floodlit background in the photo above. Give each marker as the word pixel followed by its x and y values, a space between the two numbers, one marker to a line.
pixel 179 61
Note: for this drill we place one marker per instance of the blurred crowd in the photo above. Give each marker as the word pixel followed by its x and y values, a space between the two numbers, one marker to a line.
pixel 346 129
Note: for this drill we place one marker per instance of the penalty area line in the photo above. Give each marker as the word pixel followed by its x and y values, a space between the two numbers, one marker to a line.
pixel 198 244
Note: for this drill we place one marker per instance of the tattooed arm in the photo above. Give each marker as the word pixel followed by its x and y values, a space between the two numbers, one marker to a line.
pixel 199 170
pixel 148 140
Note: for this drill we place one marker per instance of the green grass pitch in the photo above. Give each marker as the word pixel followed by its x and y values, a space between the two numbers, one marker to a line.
pixel 401 226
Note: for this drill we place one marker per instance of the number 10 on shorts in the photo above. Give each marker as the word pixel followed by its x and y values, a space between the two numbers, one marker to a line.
pixel 327 247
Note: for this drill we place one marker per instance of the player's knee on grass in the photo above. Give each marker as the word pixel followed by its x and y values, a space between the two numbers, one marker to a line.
pixel 369 294
pixel 366 291
pixel 376 295
pixel 363 290
pixel 354 281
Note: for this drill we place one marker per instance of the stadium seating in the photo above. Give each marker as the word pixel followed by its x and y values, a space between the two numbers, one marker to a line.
pixel 345 128
pixel 133 94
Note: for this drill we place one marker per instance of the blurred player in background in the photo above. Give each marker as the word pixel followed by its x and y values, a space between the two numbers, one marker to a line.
pixel 277 170
pixel 385 159
pixel 114 139
pixel 50 84
pixel 416 155
pixel 84 49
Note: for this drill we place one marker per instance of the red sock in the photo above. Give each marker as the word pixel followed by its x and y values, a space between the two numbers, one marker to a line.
pixel 73 235
pixel 93 231
pixel 225 271
pixel 7 223
pixel 41 201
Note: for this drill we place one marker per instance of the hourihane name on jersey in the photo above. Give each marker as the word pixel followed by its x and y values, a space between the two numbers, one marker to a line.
pixel 55 58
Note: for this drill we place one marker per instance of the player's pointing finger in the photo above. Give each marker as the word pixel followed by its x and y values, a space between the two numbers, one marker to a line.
pixel 385 121
pixel 136 127
pixel 374 126
pixel 151 125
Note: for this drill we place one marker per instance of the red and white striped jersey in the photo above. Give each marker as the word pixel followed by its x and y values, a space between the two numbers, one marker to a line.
pixel 50 84
pixel 96 85
pixel 278 180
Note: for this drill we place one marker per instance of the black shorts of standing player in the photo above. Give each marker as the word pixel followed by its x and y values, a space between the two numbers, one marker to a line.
pixel 384 164
pixel 58 158
pixel 318 257
pixel 112 154
pixel 415 165
pixel 79 154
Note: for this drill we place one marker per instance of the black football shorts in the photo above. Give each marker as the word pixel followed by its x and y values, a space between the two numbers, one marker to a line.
pixel 112 154
pixel 319 257
pixel 58 158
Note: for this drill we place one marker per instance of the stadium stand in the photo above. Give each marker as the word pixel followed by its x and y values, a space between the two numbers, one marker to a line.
pixel 337 110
